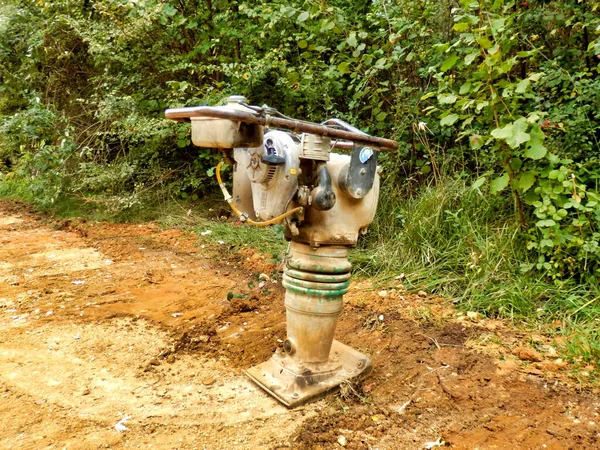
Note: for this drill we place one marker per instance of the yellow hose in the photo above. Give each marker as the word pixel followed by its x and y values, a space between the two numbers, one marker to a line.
pixel 243 216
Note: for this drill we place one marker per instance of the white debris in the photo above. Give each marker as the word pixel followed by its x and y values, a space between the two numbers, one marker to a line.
pixel 77 282
pixel 400 410
pixel 220 242
pixel 439 443
pixel 381 317
pixel 120 425
pixel 205 233
pixel 177 314
pixel 108 262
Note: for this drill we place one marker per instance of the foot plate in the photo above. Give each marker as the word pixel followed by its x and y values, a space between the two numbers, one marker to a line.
pixel 294 384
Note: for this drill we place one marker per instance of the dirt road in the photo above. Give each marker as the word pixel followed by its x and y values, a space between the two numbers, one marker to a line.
pixel 122 336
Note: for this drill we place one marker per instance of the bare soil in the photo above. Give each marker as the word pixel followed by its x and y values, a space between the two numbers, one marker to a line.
pixel 123 336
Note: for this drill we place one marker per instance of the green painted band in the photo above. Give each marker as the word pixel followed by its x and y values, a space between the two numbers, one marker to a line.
pixel 314 292
pixel 319 277
pixel 315 285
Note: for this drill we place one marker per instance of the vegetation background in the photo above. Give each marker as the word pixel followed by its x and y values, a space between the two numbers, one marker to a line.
pixel 492 200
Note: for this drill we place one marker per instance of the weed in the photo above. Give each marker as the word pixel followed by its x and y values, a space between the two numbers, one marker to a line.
pixel 453 241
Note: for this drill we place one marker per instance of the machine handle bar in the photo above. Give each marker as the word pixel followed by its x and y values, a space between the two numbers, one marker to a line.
pixel 185 114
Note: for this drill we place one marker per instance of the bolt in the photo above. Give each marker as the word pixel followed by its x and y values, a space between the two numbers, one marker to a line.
pixel 295 395
pixel 360 364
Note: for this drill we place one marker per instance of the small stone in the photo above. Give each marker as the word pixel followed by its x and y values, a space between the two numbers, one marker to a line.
pixel 208 381
pixel 528 354
pixel 553 430
pixel 264 277
pixel 422 294
pixel 342 440
pixel 383 293
pixel 86 391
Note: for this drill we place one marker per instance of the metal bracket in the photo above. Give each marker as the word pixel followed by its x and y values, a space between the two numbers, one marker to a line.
pixel 357 177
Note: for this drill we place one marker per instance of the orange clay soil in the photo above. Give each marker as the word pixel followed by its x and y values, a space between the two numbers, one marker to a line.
pixel 122 336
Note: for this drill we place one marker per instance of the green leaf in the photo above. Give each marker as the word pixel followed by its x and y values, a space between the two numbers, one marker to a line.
pixel 499 183
pixel 516 164
pixel 497 25
pixel 450 119
pixel 471 57
pixel 352 40
pixel 447 99
pixel 449 62
pixel 344 67
pixel 545 223
pixel 535 76
pixel 526 180
pixel 535 147
pixel 535 150
pixel 522 86
pixel 531 197
pixel 479 182
pixel 465 88
pixel 169 10
pixel 526 53
pixel 460 27
pixel 493 50
pixel 484 42
pixel 327 26
pixel 441 48
pixel 513 133
pixel 302 44
pixel 302 17
pixel 380 63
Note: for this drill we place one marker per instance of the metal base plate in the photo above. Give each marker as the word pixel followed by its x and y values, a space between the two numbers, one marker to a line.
pixel 294 383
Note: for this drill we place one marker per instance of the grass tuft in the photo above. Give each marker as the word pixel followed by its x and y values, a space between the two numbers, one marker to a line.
pixel 458 243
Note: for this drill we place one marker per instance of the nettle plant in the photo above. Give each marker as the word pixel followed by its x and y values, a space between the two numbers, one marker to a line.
pixel 487 78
